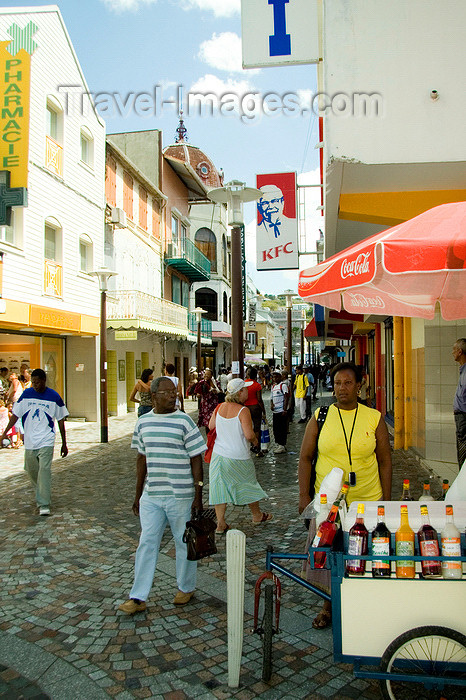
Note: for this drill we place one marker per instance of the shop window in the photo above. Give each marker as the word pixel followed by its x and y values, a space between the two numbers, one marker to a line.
pixel 13 234
pixel 224 257
pixel 110 181
pixel 128 194
pixel 85 254
pixel 206 242
pixel 251 339
pixel 53 272
pixel 143 208
pixel 54 136
pixel 207 299
pixel 87 147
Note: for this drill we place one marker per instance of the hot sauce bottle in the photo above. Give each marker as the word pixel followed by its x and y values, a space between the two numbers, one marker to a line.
pixel 428 545
pixel 404 542
pixel 381 545
pixel 357 544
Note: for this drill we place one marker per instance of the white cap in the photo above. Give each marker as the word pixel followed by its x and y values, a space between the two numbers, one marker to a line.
pixel 235 385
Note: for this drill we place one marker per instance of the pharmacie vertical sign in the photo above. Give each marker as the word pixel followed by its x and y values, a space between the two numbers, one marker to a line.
pixel 15 82
pixel 279 32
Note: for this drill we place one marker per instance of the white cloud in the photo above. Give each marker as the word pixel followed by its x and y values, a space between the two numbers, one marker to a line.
pixel 126 5
pixel 305 98
pixel 212 84
pixel 220 8
pixel 222 51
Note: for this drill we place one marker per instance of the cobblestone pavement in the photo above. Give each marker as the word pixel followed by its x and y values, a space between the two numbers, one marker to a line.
pixel 64 576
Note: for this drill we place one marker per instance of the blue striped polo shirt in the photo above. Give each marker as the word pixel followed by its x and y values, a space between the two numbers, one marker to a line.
pixel 168 441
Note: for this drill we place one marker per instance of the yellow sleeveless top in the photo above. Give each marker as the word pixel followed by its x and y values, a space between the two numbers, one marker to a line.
pixel 332 451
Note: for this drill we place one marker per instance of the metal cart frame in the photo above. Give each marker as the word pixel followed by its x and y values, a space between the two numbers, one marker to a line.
pixel 435 674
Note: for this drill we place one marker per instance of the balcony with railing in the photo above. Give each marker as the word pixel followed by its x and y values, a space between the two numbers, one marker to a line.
pixel 183 255
pixel 206 327
pixel 134 309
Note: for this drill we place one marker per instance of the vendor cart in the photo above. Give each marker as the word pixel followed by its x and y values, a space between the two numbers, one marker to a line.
pixel 408 634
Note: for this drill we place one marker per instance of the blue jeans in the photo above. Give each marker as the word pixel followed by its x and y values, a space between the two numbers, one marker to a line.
pixel 154 514
pixel 143 409
pixel 38 463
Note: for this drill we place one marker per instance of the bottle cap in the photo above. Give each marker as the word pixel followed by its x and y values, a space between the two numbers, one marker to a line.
pixel 323 498
pixel 426 484
pixel 361 508
pixel 380 510
pixel 449 510
pixel 404 509
pixel 424 510
pixel 405 482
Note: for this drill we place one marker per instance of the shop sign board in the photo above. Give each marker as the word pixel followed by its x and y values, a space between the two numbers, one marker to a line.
pixel 279 32
pixel 126 335
pixel 277 222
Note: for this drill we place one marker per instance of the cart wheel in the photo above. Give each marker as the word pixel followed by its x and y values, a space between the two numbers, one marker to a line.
pixel 267 627
pixel 437 652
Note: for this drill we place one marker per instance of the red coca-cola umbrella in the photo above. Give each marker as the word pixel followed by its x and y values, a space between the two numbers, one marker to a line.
pixel 403 271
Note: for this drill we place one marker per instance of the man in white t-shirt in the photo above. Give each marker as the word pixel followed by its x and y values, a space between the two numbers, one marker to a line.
pixel 279 403
pixel 170 372
pixel 38 408
pixel 169 485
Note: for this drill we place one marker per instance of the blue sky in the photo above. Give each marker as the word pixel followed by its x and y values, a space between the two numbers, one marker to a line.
pixel 128 47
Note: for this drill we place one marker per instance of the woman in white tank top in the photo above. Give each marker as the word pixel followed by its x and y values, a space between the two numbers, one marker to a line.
pixel 232 477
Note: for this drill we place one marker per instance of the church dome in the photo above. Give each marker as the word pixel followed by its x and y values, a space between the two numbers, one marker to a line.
pixel 197 159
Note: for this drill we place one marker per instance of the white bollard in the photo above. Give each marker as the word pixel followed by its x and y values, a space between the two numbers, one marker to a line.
pixel 236 554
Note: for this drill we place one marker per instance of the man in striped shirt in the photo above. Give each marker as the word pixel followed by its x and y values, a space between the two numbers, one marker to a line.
pixel 168 491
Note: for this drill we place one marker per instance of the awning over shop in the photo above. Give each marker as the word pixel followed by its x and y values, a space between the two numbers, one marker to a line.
pixel 402 271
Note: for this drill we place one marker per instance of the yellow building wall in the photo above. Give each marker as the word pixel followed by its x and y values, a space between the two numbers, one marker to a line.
pixel 418 393
pixel 145 360
pixel 130 380
pixel 112 390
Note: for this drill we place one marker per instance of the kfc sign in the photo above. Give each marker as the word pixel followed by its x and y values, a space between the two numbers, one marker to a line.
pixel 277 223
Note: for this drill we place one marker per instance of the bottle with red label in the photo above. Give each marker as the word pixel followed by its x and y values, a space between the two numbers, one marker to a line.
pixel 451 546
pixel 381 546
pixel 358 544
pixel 325 535
pixel 428 546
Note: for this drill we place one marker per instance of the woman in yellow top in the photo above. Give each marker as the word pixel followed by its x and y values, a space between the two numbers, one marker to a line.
pixel 354 438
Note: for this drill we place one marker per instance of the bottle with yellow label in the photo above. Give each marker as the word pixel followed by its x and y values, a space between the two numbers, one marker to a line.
pixel 451 546
pixel 404 546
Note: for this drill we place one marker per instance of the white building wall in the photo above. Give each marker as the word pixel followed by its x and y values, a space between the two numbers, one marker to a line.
pixel 76 200
pixel 366 45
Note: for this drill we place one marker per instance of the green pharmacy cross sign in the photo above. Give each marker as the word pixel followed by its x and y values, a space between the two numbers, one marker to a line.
pixel 10 197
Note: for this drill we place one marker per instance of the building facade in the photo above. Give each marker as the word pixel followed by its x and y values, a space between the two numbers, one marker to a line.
pixel 50 310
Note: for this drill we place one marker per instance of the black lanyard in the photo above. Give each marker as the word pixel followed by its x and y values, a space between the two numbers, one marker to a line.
pixel 348 446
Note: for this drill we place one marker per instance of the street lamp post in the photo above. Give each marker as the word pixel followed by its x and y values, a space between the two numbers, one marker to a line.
pixel 289 294
pixel 234 194
pixel 103 274
pixel 199 311
pixel 263 339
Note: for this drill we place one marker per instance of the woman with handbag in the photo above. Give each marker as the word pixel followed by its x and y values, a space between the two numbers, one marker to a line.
pixel 232 477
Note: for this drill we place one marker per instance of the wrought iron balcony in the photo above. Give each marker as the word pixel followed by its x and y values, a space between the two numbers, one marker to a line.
pixel 133 309
pixel 206 326
pixel 186 258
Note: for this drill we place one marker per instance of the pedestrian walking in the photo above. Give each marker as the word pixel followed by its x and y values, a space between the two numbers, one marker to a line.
pixel 38 408
pixel 279 404
pixel 170 372
pixel 309 393
pixel 142 387
pixel 300 390
pixel 256 407
pixel 459 402
pixel 232 473
pixel 207 389
pixel 168 491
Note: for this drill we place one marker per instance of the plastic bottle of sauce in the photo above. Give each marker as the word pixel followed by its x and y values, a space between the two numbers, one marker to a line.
pixel 404 544
pixel 428 545
pixel 451 546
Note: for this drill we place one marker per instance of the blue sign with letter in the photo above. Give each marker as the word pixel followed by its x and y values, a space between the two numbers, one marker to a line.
pixel 280 41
